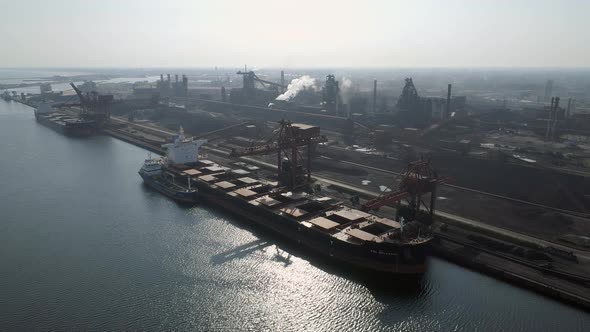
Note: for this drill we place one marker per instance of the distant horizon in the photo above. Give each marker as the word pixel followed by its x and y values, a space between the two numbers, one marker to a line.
pixel 302 34
pixel 263 67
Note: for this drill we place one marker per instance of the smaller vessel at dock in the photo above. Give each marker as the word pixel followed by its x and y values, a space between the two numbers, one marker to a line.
pixel 156 173
pixel 154 177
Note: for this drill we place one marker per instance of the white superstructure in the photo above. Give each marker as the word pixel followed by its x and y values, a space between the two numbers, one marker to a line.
pixel 183 150
pixel 151 167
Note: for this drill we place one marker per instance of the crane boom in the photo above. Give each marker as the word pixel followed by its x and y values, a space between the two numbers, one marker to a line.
pixel 390 198
pixel 94 106
pixel 419 179
pixel 255 150
pixel 78 92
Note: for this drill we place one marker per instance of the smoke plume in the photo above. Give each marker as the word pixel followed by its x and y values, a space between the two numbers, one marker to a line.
pixel 297 85
pixel 347 89
pixel 346 83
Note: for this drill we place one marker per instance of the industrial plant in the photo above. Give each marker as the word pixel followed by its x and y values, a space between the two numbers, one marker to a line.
pixel 405 166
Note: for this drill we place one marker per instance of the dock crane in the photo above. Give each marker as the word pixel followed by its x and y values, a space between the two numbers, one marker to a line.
pixel 417 180
pixel 94 106
pixel 286 143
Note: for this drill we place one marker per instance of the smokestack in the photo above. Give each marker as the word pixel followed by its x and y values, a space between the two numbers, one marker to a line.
pixel 168 77
pixel 176 77
pixel 282 80
pixel 569 107
pixel 555 107
pixel 374 96
pixel 448 107
pixel 162 77
pixel 549 120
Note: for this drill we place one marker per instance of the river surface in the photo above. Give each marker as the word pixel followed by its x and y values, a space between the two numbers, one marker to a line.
pixel 85 246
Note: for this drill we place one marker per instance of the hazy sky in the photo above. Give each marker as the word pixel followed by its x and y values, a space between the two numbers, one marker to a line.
pixel 296 33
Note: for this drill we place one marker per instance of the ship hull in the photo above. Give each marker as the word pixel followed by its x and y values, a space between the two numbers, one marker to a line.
pixel 386 258
pixel 83 129
pixel 183 197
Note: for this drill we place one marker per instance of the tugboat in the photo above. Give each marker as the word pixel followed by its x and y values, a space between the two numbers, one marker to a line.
pixel 156 172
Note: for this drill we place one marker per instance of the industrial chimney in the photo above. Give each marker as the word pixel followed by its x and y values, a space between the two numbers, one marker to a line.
pixel 185 85
pixel 448 106
pixel 282 81
pixel 374 96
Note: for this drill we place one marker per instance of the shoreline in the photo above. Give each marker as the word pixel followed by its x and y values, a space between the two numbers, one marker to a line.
pixel 518 274
pixel 453 251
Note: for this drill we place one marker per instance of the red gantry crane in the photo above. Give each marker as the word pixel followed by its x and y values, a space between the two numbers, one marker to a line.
pixel 417 180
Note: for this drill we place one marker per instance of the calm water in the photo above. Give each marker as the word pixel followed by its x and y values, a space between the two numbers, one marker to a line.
pixel 83 245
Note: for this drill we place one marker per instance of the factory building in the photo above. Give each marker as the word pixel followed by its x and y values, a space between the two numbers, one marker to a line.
pixel 164 88
pixel 419 112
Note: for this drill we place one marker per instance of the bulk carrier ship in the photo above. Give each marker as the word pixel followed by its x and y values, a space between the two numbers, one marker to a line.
pixel 63 123
pixel 322 224
pixel 94 114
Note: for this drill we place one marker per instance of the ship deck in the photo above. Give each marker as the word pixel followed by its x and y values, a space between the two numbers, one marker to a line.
pixel 323 214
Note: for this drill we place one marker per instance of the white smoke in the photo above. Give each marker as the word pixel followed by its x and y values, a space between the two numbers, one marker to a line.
pixel 297 85
pixel 347 89
pixel 346 84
